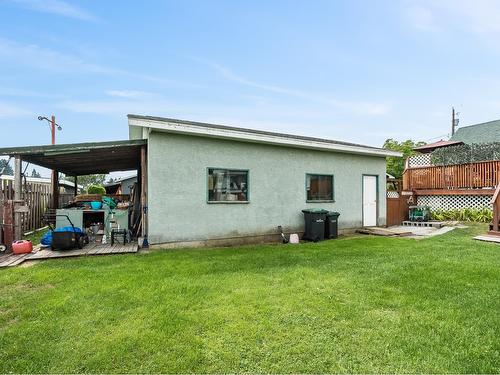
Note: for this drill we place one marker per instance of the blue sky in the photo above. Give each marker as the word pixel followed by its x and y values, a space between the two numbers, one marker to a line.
pixel 359 71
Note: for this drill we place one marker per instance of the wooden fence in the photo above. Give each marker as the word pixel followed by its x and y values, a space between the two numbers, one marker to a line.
pixel 38 199
pixel 463 176
pixel 396 205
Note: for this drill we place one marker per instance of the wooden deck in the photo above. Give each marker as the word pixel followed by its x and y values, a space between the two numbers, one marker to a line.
pixel 483 191
pixel 10 260
pixel 476 175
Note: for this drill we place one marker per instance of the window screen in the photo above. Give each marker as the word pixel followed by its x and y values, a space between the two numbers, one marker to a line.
pixel 319 187
pixel 227 185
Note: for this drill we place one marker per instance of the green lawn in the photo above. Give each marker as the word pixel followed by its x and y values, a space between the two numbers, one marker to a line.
pixel 358 304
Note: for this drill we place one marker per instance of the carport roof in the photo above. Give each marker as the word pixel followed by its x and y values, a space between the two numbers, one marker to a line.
pixel 78 159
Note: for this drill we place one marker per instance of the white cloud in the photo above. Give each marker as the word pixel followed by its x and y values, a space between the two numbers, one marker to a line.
pixel 478 16
pixel 357 107
pixel 8 110
pixel 14 92
pixel 36 57
pixel 116 107
pixel 58 7
pixel 44 58
pixel 130 94
pixel 422 18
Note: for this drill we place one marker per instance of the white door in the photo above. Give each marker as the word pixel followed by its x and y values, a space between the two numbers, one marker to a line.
pixel 370 201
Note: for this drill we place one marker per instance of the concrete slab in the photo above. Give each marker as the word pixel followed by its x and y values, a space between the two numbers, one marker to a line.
pixel 422 232
pixel 488 238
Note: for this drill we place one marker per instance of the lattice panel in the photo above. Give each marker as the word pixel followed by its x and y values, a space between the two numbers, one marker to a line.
pixel 419 160
pixel 448 202
pixel 392 194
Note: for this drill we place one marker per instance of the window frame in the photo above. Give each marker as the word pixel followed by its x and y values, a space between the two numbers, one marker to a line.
pixel 207 174
pixel 320 200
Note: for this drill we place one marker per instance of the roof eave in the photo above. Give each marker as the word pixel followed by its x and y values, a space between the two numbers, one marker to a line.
pixel 253 137
pixel 67 147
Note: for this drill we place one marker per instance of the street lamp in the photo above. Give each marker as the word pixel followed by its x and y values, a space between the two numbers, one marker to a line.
pixel 54 175
pixel 52 125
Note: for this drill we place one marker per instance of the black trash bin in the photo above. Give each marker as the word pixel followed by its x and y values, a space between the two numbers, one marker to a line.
pixel 315 219
pixel 332 225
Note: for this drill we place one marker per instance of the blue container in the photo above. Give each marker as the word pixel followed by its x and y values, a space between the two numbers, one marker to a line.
pixel 96 205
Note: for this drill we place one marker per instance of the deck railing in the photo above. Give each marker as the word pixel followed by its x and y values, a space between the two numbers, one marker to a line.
pixel 462 176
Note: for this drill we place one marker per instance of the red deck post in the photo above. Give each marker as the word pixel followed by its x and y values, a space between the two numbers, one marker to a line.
pixel 144 175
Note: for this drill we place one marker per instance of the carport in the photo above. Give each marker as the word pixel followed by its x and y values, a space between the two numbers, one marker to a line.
pixel 79 159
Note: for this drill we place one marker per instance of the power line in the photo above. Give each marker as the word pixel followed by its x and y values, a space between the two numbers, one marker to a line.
pixel 439 136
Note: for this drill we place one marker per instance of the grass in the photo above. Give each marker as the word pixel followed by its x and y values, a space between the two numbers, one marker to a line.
pixel 36 236
pixel 358 304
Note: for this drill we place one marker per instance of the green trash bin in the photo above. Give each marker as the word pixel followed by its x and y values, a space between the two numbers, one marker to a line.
pixel 315 219
pixel 332 224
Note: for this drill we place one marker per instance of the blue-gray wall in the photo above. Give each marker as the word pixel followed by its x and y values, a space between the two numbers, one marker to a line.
pixel 177 187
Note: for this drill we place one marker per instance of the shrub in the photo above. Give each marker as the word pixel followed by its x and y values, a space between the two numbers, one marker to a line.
pixel 479 215
pixel 96 189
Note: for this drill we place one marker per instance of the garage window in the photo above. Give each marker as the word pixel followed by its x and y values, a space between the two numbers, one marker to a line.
pixel 319 188
pixel 227 185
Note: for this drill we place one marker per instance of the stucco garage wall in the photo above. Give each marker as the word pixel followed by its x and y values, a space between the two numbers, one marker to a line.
pixel 177 187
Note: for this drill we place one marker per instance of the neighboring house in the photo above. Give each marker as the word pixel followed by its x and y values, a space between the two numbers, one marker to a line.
pixel 65 186
pixel 454 185
pixel 122 185
pixel 485 132
pixel 205 184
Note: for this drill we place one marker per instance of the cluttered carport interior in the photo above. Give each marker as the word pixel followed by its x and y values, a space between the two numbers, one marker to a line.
pixel 88 219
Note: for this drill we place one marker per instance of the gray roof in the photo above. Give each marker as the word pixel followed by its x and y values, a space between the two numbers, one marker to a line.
pixel 262 132
pixel 78 159
pixel 119 180
pixel 485 132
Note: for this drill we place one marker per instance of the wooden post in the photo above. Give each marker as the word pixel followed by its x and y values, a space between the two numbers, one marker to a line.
pixel 17 197
pixel 76 186
pixel 144 207
pixel 8 224
pixel 55 190
pixel 496 215
pixel 1 211
pixel 495 201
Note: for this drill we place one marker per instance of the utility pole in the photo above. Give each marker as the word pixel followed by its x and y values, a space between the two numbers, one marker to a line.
pixel 454 120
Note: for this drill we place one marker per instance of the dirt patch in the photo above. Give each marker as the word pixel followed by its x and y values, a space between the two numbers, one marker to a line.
pixel 29 263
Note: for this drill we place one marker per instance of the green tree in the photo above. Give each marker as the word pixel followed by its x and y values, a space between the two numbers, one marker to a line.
pixel 34 173
pixel 8 169
pixel 395 165
pixel 90 179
